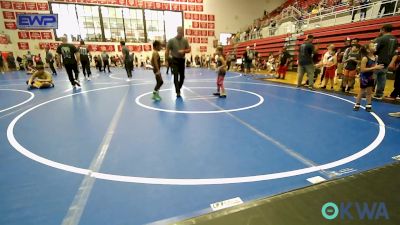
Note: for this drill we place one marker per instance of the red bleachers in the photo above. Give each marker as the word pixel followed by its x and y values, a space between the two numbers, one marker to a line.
pixel 264 46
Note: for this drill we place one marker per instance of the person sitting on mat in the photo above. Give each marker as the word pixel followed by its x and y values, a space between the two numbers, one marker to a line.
pixel 40 79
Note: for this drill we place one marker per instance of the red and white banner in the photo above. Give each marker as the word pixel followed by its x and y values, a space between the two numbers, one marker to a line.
pixel 3 39
pixel 19 5
pixel 35 35
pixel 112 2
pixel 203 25
pixel 147 48
pixel 46 35
pixel 6 5
pixel 203 48
pixel 8 15
pixel 195 32
pixel 189 32
pixel 53 46
pixel 183 0
pixel 184 7
pixel 10 25
pixel 211 25
pixel 175 7
pixel 158 5
pixel 191 8
pixel 203 17
pixel 195 24
pixel 30 5
pixel 211 33
pixel 190 39
pixel 149 5
pixel 166 6
pixel 196 40
pixel 188 16
pixel 121 2
pixel 204 32
pixel 199 1
pixel 23 45
pixel 204 40
pixel 132 3
pixel 195 16
pixel 211 17
pixel 192 1
pixel 199 8
pixel 42 6
pixel 23 35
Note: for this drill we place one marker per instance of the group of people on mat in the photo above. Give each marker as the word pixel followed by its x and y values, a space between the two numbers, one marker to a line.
pixel 372 60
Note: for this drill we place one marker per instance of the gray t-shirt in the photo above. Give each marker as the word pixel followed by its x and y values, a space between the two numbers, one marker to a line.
pixel 125 51
pixel 49 56
pixel 174 45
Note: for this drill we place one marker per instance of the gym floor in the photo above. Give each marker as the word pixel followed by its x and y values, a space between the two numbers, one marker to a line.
pixel 108 154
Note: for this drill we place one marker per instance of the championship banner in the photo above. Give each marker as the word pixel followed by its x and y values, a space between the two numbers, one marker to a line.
pixel 3 39
pixel 175 7
pixel 188 16
pixel 204 40
pixel 19 5
pixel 195 24
pixel 23 45
pixel 199 1
pixel 30 6
pixel 211 26
pixel 195 16
pixel 8 15
pixel 211 33
pixel 46 35
pixel 189 32
pixel 203 17
pixel 191 8
pixel 211 17
pixel 6 5
pixel 183 7
pixel 203 25
pixel 199 8
pixel 158 5
pixel 204 32
pixel 147 48
pixel 23 35
pixel 203 48
pixel 166 6
pixel 35 35
pixel 10 25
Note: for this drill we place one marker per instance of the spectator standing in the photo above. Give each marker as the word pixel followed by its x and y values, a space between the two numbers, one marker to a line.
pixel 305 62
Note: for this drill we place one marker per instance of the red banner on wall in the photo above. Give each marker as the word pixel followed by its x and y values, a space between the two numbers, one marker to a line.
pixel 188 16
pixel 195 32
pixel 211 25
pixel 195 16
pixel 3 39
pixel 121 2
pixel 203 25
pixel 8 15
pixel 112 2
pixel 192 8
pixel 149 5
pixel 19 5
pixel 211 33
pixel 42 6
pixel 175 7
pixel 195 24
pixel 35 35
pixel 190 39
pixel 203 48
pixel 53 46
pixel 132 3
pixel 166 6
pixel 147 48
pixel 188 32
pixel 10 25
pixel 23 35
pixel 192 1
pixel 30 5
pixel 204 32
pixel 196 40
pixel 183 7
pixel 211 17
pixel 204 40
pixel 158 5
pixel 203 17
pixel 6 5
pixel 23 45
pixel 46 35
pixel 199 8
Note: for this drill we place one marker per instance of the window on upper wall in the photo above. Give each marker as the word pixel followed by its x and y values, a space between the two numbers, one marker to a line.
pixel 89 22
pixel 154 25
pixel 113 23
pixel 68 25
pixel 134 28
